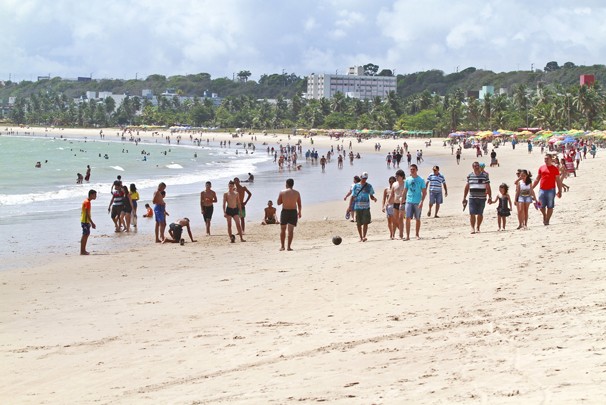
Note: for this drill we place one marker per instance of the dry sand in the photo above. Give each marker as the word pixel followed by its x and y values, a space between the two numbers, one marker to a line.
pixel 498 317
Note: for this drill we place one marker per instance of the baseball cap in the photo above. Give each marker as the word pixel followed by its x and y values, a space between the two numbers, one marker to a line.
pixel 364 175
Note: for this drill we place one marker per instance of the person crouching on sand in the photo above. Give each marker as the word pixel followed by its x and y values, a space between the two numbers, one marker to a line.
pixel 175 230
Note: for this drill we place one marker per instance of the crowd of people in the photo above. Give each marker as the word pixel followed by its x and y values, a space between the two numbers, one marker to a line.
pixel 403 200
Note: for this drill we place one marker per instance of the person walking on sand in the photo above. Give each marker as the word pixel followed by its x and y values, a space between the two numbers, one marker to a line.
pixel 548 178
pixel 116 204
pixel 242 190
pixel 350 210
pixel 388 209
pixel 290 199
pixel 207 198
pixel 397 192
pixel 478 188
pixel 134 196
pixel 86 221
pixel 231 210
pixel 414 192
pixel 361 194
pixel 159 212
pixel 175 230
pixel 526 196
pixel 435 182
pixel 504 207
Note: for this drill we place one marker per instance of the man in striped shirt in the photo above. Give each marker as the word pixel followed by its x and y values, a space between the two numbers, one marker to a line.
pixel 435 182
pixel 478 188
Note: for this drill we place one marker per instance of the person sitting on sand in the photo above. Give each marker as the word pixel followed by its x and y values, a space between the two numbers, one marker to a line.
pixel 175 230
pixel 270 215
pixel 149 213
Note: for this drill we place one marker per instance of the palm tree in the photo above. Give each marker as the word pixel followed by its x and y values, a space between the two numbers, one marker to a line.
pixel 338 102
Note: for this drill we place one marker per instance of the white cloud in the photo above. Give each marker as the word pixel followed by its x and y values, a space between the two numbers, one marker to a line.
pixel 121 38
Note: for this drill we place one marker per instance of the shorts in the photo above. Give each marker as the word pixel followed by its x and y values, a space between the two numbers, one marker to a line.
pixel 289 217
pixel 177 231
pixel 231 212
pixel 476 206
pixel 389 210
pixel 242 212
pixel 413 210
pixel 134 204
pixel 116 211
pixel 547 198
pixel 85 228
pixel 207 212
pixel 270 221
pixel 159 213
pixel 525 199
pixel 363 216
pixel 396 206
pixel 435 198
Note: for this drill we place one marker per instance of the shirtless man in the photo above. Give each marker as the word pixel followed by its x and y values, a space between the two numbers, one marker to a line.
pixel 290 199
pixel 207 198
pixel 396 194
pixel 241 191
pixel 231 210
pixel 175 230
pixel 159 212
pixel 270 215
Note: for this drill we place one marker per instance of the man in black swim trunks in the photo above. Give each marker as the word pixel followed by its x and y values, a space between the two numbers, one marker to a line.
pixel 175 230
pixel 231 210
pixel 290 199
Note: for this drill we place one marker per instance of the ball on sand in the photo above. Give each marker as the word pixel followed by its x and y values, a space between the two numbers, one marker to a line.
pixel 337 240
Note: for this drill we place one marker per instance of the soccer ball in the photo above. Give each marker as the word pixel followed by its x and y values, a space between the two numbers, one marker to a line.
pixel 337 240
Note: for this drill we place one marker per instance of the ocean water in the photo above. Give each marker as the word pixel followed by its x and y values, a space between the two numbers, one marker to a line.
pixel 40 207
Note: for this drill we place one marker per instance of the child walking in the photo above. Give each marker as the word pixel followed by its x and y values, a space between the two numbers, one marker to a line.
pixel 504 208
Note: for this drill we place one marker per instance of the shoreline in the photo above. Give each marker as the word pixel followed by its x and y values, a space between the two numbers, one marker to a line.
pixel 187 204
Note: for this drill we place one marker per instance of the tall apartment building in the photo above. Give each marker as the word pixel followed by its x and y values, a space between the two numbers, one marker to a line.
pixel 353 85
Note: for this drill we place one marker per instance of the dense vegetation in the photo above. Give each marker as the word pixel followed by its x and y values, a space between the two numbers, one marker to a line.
pixel 431 100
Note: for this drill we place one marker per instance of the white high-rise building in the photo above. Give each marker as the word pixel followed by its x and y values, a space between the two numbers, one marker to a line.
pixel 353 85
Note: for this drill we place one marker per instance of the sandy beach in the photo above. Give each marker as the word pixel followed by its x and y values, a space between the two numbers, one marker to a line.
pixel 492 318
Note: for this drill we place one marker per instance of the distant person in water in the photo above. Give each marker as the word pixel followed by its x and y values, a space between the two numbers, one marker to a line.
pixel 87 175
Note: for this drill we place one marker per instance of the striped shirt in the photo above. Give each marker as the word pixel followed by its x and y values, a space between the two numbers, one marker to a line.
pixel 477 184
pixel 435 182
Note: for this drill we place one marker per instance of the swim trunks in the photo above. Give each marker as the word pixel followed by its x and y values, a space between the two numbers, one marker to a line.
pixel 159 213
pixel 231 211
pixel 207 212
pixel 242 212
pixel 177 231
pixel 289 217
pixel 85 228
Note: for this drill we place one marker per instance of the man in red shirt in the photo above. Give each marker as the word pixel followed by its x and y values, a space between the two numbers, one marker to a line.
pixel 549 178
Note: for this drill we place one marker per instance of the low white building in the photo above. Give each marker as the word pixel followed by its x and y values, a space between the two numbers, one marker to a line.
pixel 354 85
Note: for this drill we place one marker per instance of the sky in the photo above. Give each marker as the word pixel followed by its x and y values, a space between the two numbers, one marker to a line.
pixel 128 39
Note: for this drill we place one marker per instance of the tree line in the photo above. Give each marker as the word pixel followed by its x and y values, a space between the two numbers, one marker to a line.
pixel 537 100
